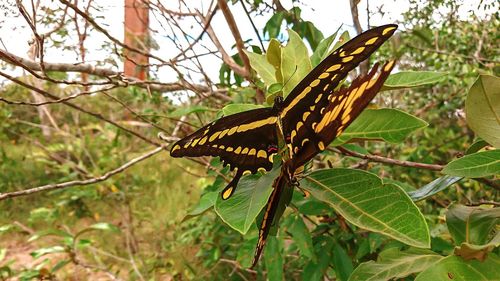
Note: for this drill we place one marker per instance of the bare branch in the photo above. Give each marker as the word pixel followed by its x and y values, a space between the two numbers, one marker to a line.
pixel 104 177
pixel 381 159
pixel 96 115
pixel 236 34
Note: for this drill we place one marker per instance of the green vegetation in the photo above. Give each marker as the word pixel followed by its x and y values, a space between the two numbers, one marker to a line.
pixel 409 191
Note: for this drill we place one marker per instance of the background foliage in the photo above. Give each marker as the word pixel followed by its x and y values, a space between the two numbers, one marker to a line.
pixel 410 191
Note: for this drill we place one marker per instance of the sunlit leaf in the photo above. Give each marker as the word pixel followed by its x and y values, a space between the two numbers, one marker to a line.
pixel 295 63
pixel 44 251
pixel 263 67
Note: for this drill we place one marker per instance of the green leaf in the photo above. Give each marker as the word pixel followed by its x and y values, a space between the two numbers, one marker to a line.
pixel 263 67
pixel 482 108
pixel 409 79
pixel 344 37
pixel 5 228
pixel 49 232
pixel 246 252
pixel 181 111
pixel 295 63
pixel 476 146
pixel 471 224
pixel 365 201
pixel 234 108
pixel 240 211
pixel 433 187
pixel 301 236
pixel 315 269
pixel 456 269
pixel 342 263
pixel 475 165
pixel 272 91
pixel 207 201
pixel 104 226
pixel 44 251
pixel 322 51
pixel 273 25
pixel 3 253
pixel 312 34
pixel 273 259
pixel 385 124
pixel 394 264
pixel 273 55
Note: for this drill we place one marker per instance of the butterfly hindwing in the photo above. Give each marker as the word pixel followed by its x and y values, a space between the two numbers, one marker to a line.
pixel 344 106
pixel 269 214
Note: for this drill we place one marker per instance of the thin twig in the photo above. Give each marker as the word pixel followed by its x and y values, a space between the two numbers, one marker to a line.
pixel 104 177
pixel 381 159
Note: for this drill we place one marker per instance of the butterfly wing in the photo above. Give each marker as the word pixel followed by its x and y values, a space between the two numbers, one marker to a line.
pixel 269 214
pixel 312 94
pixel 245 141
pixel 344 106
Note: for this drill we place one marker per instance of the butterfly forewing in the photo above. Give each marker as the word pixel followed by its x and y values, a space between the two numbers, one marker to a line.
pixel 311 95
pixel 246 141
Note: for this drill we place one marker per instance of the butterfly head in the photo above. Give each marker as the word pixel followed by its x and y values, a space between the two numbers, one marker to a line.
pixel 278 103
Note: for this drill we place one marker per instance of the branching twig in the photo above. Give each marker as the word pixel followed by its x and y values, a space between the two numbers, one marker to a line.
pixel 381 159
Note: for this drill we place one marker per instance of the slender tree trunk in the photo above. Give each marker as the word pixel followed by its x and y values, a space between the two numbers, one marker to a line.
pixel 136 35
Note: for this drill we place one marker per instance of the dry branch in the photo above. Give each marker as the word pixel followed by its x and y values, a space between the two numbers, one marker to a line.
pixel 104 177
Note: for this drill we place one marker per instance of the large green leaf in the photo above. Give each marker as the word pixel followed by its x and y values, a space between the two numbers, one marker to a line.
pixel 386 124
pixel 456 269
pixel 395 264
pixel 250 197
pixel 482 108
pixel 409 79
pixel 295 63
pixel 471 224
pixel 475 165
pixel 365 201
pixel 263 67
pixel 239 107
pixel 433 187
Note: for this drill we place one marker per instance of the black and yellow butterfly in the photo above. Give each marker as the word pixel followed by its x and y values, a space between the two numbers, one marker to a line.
pixel 308 120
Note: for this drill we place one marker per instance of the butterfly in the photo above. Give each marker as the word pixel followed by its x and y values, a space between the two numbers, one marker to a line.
pixel 313 114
